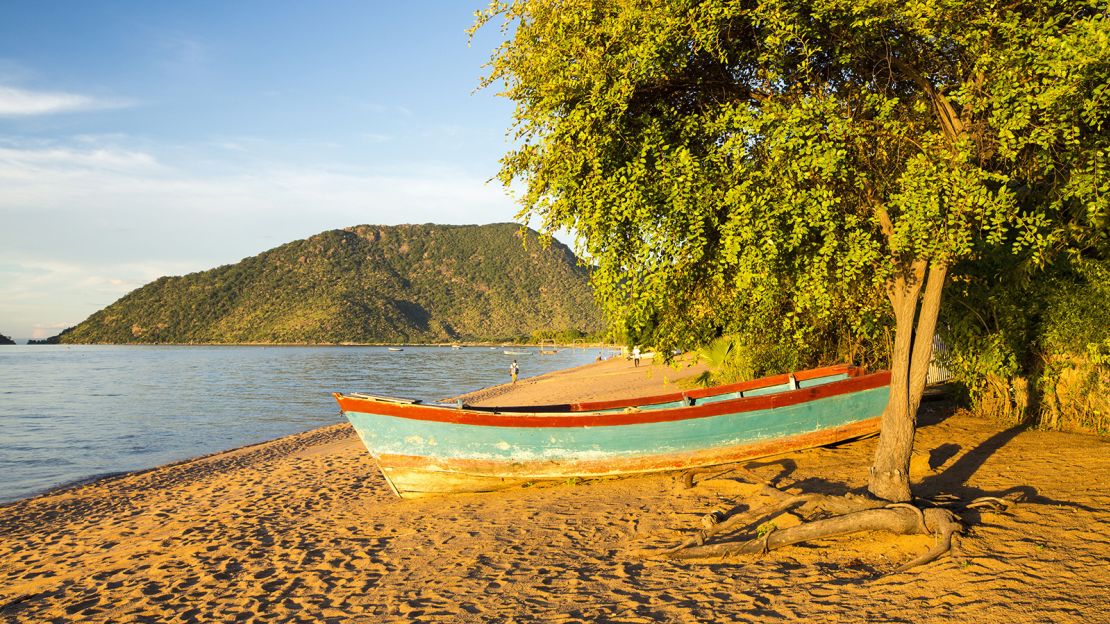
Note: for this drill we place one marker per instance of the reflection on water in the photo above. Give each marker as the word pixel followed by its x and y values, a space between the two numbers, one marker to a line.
pixel 70 413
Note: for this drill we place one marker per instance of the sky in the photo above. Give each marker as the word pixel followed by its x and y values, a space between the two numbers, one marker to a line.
pixel 141 139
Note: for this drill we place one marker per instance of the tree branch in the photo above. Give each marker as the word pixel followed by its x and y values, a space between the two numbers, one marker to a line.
pixel 950 121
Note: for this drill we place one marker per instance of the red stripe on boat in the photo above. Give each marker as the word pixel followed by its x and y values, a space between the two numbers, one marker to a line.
pixel 495 419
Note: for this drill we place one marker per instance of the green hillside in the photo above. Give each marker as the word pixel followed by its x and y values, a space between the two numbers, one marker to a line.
pixel 406 283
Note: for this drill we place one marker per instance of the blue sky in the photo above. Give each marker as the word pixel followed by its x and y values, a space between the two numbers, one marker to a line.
pixel 140 139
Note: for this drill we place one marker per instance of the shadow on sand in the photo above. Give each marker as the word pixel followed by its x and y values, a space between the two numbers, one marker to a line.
pixel 954 479
pixel 957 469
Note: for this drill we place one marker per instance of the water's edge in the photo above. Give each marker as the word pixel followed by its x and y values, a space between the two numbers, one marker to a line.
pixel 74 415
pixel 62 488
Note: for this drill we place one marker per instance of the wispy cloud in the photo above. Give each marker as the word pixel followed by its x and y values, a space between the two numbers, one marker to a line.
pixel 114 178
pixel 17 102
pixel 57 158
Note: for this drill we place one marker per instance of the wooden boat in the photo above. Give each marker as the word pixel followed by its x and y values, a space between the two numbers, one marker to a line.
pixel 427 449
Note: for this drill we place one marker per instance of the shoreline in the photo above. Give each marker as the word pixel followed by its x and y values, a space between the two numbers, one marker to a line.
pixel 63 488
pixel 317 344
pixel 498 390
pixel 304 528
pixel 81 413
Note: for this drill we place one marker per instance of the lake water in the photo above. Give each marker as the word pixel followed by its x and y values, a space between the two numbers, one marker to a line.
pixel 72 413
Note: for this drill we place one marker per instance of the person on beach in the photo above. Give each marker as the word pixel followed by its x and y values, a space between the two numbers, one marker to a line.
pixel 636 355
pixel 514 370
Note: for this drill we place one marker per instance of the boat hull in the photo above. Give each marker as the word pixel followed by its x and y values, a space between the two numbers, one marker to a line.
pixel 425 450
pixel 415 477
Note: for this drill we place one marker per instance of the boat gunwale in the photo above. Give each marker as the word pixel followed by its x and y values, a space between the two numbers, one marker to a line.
pixel 465 416
pixel 696 393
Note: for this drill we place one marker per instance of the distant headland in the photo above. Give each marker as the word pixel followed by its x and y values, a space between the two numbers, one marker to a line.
pixel 364 284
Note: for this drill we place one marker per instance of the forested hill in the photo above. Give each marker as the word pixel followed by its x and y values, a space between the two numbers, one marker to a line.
pixel 406 283
pixel 4 340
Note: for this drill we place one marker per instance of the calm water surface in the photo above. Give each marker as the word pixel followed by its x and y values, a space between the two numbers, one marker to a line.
pixel 71 413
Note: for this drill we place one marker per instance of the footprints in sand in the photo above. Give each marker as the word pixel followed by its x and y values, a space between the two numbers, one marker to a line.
pixel 252 537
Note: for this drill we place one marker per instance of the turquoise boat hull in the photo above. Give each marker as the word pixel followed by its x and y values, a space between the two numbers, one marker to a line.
pixel 425 449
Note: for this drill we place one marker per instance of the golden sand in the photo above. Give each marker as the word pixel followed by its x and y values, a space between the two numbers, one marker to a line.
pixel 304 529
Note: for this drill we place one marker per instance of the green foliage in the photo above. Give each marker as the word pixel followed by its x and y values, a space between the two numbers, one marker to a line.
pixel 1074 347
pixel 765 529
pixel 1077 315
pixel 989 330
pixel 364 284
pixel 732 358
pixel 1032 343
pixel 769 169
pixel 1075 392
pixel 725 360
pixel 1099 353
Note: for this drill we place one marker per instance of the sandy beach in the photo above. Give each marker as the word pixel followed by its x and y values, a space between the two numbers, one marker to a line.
pixel 304 529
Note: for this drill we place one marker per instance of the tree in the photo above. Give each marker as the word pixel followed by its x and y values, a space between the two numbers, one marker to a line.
pixel 789 164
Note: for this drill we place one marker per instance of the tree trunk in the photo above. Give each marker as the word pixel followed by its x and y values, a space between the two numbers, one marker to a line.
pixel 923 338
pixel 890 479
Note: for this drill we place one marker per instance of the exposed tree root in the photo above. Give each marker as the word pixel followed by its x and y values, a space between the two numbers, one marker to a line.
pixel 833 516
pixel 947 527
pixel 786 502
pixel 716 471
pixel 892 520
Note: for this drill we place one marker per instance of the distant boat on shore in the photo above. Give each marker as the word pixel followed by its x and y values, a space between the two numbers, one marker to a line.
pixel 426 449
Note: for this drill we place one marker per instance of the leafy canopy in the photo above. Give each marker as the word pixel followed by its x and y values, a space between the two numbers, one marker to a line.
pixel 771 167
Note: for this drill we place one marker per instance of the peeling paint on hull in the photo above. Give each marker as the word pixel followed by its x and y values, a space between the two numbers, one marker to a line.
pixel 426 450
